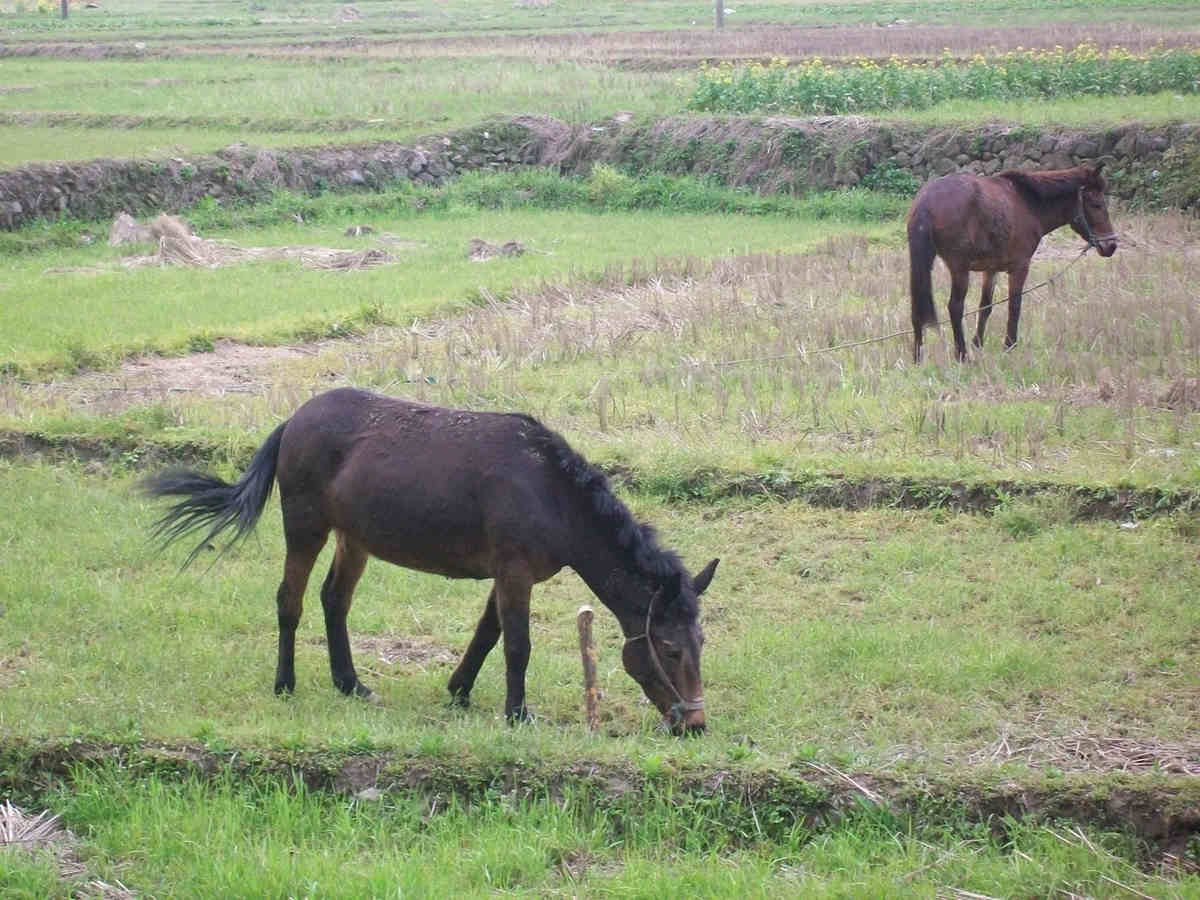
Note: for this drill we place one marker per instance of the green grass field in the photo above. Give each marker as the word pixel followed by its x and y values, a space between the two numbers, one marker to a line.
pixel 66 307
pixel 856 638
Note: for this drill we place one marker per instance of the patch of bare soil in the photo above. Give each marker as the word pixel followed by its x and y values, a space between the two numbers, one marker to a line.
pixel 406 651
pixel 230 368
pixel 649 50
pixel 13 667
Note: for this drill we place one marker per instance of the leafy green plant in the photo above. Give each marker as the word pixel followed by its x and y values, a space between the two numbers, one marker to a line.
pixel 891 180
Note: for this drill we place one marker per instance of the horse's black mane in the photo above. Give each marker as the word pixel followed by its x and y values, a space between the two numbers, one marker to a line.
pixel 637 540
pixel 1046 186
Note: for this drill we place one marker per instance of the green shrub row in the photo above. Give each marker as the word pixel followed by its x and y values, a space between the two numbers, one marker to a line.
pixel 816 88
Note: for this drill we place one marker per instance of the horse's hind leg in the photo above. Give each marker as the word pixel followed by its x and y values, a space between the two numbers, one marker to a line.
pixel 302 549
pixel 959 282
pixel 349 561
pixel 985 306
pixel 487 633
pixel 1016 284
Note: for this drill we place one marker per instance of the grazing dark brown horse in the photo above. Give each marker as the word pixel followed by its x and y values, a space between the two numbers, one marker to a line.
pixel 465 495
pixel 994 224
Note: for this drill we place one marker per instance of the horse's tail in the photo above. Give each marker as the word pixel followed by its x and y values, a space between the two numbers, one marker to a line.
pixel 921 253
pixel 210 502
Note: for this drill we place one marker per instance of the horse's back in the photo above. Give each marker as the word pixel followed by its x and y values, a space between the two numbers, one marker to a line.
pixel 974 221
pixel 423 486
pixel 949 197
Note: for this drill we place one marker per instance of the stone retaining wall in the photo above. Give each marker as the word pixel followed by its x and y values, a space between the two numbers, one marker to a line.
pixel 1149 165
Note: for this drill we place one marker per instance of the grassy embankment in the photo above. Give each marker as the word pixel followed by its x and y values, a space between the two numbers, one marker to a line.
pixel 225 837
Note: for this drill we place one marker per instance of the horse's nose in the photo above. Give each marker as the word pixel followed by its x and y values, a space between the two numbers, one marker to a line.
pixel 1108 247
pixel 692 724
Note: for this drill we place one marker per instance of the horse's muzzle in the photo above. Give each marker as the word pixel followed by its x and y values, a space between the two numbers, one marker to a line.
pixel 681 721
pixel 1106 247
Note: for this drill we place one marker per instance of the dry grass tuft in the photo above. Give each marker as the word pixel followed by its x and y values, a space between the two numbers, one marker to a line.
pixel 19 829
pixel 20 832
pixel 1085 752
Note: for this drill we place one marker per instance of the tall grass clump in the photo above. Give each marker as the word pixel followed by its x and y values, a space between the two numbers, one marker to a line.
pixel 605 189
pixel 816 88
pixel 269 836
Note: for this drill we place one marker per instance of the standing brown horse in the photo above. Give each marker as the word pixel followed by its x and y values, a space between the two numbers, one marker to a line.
pixel 465 495
pixel 994 224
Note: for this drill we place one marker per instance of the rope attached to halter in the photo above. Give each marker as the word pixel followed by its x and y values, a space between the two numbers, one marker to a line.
pixel 681 706
pixel 895 334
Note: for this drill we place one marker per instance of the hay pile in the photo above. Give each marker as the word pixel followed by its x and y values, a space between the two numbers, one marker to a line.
pixel 126 230
pixel 480 250
pixel 1183 394
pixel 178 246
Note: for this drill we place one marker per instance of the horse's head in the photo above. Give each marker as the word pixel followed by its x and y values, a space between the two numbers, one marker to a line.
pixel 1091 220
pixel 663 655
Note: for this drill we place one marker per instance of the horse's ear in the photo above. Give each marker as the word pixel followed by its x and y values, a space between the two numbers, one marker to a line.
pixel 701 582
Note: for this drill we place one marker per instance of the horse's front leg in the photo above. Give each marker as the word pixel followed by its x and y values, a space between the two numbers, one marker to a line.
pixel 512 605
pixel 985 306
pixel 1016 284
pixel 487 632
pixel 959 282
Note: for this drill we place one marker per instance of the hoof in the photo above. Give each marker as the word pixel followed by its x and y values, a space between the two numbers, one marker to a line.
pixel 459 699
pixel 283 687
pixel 521 716
pixel 362 692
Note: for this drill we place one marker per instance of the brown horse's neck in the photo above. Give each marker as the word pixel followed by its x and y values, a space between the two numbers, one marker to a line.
pixel 1058 212
pixel 1052 197
pixel 608 573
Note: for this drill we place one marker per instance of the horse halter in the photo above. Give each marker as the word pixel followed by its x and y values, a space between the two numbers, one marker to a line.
pixel 1080 220
pixel 681 706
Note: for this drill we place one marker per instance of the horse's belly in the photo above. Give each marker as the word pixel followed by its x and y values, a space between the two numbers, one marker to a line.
pixel 457 565
pixel 419 535
pixel 990 264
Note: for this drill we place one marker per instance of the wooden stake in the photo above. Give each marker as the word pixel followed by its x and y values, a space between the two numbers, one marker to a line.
pixel 587 652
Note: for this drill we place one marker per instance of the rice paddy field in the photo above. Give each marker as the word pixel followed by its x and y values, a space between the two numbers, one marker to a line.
pixel 952 646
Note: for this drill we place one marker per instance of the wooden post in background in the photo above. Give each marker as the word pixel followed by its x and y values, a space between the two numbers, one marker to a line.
pixel 719 9
pixel 64 8
pixel 587 653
